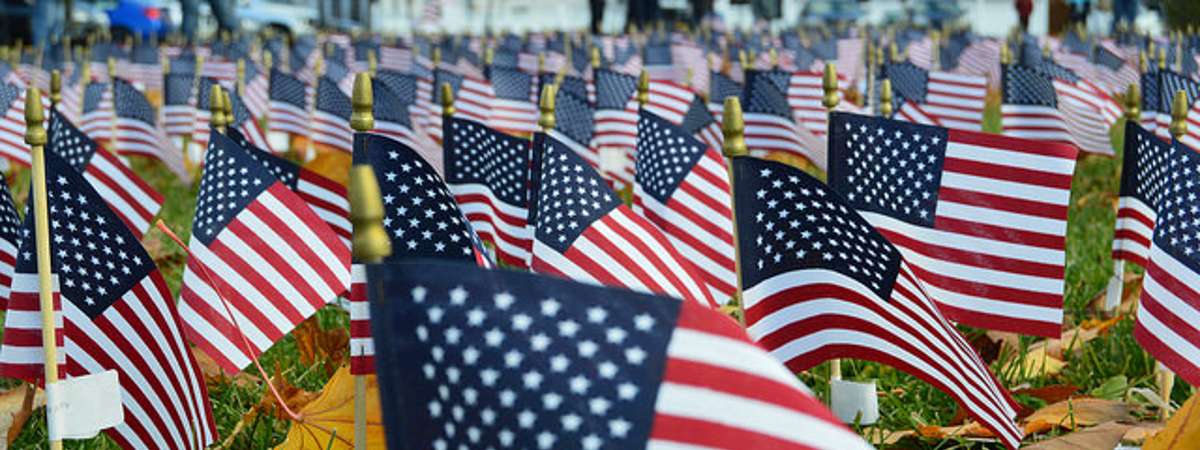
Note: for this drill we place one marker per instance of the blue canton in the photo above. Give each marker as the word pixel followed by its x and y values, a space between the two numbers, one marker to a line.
pixel 665 156
pixel 568 194
pixel 478 154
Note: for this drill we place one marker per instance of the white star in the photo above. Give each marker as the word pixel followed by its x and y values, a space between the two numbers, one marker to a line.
pixel 619 428
pixel 643 322
pixel 559 363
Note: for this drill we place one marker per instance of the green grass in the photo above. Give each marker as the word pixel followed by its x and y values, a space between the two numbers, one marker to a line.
pixel 905 404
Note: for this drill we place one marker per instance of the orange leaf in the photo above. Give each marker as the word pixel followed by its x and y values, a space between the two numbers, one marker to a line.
pixel 1182 430
pixel 1050 394
pixel 1075 413
pixel 333 410
pixel 16 406
pixel 332 164
pixel 314 344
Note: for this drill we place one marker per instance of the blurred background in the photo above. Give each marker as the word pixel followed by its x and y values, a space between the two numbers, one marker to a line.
pixel 40 20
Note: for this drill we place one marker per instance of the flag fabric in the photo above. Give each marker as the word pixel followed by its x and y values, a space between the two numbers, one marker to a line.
pixel 1171 83
pixel 1151 90
pixel 615 124
pixel 130 197
pixel 177 109
pixel 288 104
pixel 393 95
pixel 331 117
pixel 422 220
pixel 682 186
pixel 137 130
pixel 513 109
pixel 10 240
pixel 12 125
pixel 143 68
pixel 243 121
pixel 721 87
pixel 821 282
pixel 72 93
pixel 1144 187
pixel 1111 70
pixel 1088 111
pixel 256 93
pixel 261 261
pixel 488 173
pixel 981 218
pixel 1030 106
pixel 583 232
pixel 327 198
pixel 113 312
pixel 947 99
pixel 98 118
pixel 601 368
pixel 768 115
pixel 1170 299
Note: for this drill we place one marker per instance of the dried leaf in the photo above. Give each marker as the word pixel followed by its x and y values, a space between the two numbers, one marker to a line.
pixel 1075 413
pixel 1103 436
pixel 1141 431
pixel 880 436
pixel 333 410
pixel 294 397
pixel 16 406
pixel 1182 430
pixel 1037 363
pixel 966 430
pixel 213 374
pixel 314 344
pixel 1050 394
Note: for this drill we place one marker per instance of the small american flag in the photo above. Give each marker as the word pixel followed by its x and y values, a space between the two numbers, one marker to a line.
pixel 137 128
pixel 1169 299
pixel 129 196
pixel 420 216
pixel 1151 90
pixel 1111 71
pixel 657 61
pixel 821 282
pixel 114 308
pixel 721 87
pixel 513 109
pixel 583 232
pixel 1050 102
pixel 289 106
pixel 97 118
pixel 1171 83
pixel 947 99
pixel 331 117
pixel 12 124
pixel 72 93
pixel 981 218
pixel 1144 187
pixel 393 95
pixel 770 124
pixel 615 121
pixel 143 68
pixel 488 172
pixel 535 362
pixel 178 110
pixel 682 186
pixel 10 240
pixel 257 92
pixel 258 246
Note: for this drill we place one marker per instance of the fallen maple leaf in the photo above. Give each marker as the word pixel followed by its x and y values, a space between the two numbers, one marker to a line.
pixel 1103 436
pixel 1182 430
pixel 333 411
pixel 1075 413
pixel 314 344
pixel 16 406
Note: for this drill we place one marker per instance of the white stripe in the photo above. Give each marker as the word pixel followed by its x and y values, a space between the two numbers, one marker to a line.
pixel 730 354
pixel 668 257
pixel 551 257
pixel 340 268
pixel 983 246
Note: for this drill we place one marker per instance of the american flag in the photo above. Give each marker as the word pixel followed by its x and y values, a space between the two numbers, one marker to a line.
pixel 980 218
pixel 97 118
pixel 72 93
pixel 474 98
pixel 223 71
pixel 331 117
pixel 261 261
pixel 657 61
pixel 1171 83
pixel 513 110
pixel 1151 90
pixel 393 95
pixel 721 87
pixel 535 362
pixel 177 109
pixel 10 240
pixel 129 196
pixel 488 172
pixel 682 186
pixel 944 98
pixel 143 68
pixel 821 282
pixel 583 232
pixel 1051 103
pixel 12 125
pixel 981 57
pixel 1087 108
pixel 1144 187
pixel 243 121
pixel 431 103
pixel 326 197
pixel 340 75
pixel 769 120
pixel 615 124
pixel 257 92
pixel 420 216
pixel 1111 70
pixel 395 58
pixel 288 102
pixel 1169 299
pixel 137 128
pixel 115 312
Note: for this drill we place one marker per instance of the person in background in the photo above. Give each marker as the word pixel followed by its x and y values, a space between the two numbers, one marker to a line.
pixel 1024 9
pixel 597 7
pixel 1125 11
pixel 47 21
pixel 221 9
pixel 1079 11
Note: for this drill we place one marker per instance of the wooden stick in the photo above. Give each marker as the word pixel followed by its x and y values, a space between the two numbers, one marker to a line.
pixel 370 241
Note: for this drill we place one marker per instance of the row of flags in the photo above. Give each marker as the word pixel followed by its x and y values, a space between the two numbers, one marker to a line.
pixel 923 220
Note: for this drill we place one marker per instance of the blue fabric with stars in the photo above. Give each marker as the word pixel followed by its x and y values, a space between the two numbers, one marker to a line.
pixel 1150 90
pixel 568 195
pixel 283 170
pixel 177 88
pixel 92 95
pixel 721 86
pixel 96 257
pixel 763 96
pixel 470 358
pixel 287 88
pixel 665 155
pixel 1146 159
pixel 573 117
pixel 909 82
pixel 332 100
pixel 1025 85
pixel 475 153
pixel 69 143
pixel 787 220
pixel 132 104
pixel 444 76
pixel 1177 228
pixel 887 166
pixel 778 78
pixel 232 180
pixel 613 89
pixel 420 213
pixel 10 222
pixel 510 84
pixel 697 117
pixel 388 106
pixel 403 85
pixel 1172 83
pixel 9 93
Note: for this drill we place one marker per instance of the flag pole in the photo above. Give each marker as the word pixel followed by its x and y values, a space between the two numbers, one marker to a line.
pixel 733 129
pixel 55 88
pixel 829 84
pixel 318 68
pixel 35 136
pixel 370 241
pixel 1179 126
pixel 1116 284
pixel 266 117
pixel 113 140
pixel 216 108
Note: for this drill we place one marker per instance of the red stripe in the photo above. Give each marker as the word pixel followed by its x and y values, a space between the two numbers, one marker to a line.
pixel 1134 213
pixel 1001 233
pixel 714 435
pixel 1033 147
pixel 669 286
pixel 327 238
pixel 973 258
pixel 1032 177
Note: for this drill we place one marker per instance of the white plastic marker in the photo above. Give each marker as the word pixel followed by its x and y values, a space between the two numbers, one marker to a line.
pixel 80 407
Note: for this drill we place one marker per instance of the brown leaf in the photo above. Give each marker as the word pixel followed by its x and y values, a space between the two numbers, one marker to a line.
pixel 1182 430
pixel 880 436
pixel 1141 431
pixel 987 348
pixel 1104 436
pixel 16 406
pixel 1050 394
pixel 331 164
pixel 294 397
pixel 333 412
pixel 213 373
pixel 966 430
pixel 1075 413
pixel 314 344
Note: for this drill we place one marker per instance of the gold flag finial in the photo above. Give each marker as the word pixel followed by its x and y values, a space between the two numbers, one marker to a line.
pixel 112 68
pixel 240 84
pixel 1133 102
pixel 447 99
pixel 1162 58
pixel 370 242
pixel 885 98
pixel 227 108
pixel 829 83
pixel 1005 54
pixel 733 128
pixel 55 87
pixel 1046 51
pixel 372 62
pixel 489 55
pixel 436 56
pixel 687 77
pixel 546 118
pixel 267 61
pixel 362 118
pixel 743 59
pixel 1179 113
pixel 541 62
pixel 643 88
pixel 35 133
pixel 894 51
pixel 595 58
pixel 216 110
pixel 774 56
